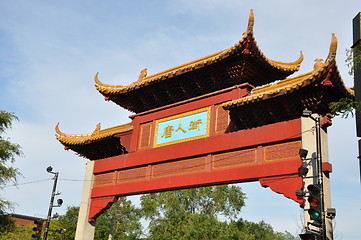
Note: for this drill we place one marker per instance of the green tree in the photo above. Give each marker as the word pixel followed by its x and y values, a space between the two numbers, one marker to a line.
pixel 262 231
pixel 191 213
pixel 11 231
pixel 124 219
pixel 66 222
pixel 353 58
pixel 200 213
pixel 8 152
pixel 346 106
pixel 203 213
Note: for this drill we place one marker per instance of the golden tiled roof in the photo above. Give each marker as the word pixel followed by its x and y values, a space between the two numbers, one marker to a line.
pixel 291 84
pixel 109 89
pixel 97 135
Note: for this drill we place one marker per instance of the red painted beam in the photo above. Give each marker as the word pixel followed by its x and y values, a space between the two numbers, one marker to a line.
pixel 264 135
pixel 233 175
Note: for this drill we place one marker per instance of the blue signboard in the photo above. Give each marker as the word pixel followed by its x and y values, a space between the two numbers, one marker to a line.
pixel 182 127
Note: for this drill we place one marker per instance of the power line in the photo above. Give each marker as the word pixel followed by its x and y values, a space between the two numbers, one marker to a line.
pixel 25 183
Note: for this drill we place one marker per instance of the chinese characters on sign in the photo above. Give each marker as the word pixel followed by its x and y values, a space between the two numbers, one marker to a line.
pixel 182 127
pixel 193 125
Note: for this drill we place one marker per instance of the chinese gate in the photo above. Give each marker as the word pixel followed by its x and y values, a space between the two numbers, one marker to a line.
pixel 230 117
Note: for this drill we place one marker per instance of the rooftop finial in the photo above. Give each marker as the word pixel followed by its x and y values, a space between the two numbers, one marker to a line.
pixel 250 21
pixel 97 129
pixel 142 75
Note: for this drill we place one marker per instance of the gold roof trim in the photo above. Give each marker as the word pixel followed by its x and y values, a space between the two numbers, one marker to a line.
pixel 287 66
pixel 96 135
pixel 248 35
pixel 270 89
pixel 289 84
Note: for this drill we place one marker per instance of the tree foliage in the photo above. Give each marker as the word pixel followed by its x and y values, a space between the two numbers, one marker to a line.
pixel 346 107
pixel 8 152
pixel 66 222
pixel 11 231
pixel 122 217
pixel 203 213
pixel 124 220
pixel 69 221
pixel 199 213
pixel 226 200
pixel 353 58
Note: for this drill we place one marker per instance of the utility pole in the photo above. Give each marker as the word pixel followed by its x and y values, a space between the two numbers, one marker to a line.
pixel 51 205
pixel 356 52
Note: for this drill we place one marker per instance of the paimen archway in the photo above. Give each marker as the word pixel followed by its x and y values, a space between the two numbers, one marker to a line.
pixel 233 116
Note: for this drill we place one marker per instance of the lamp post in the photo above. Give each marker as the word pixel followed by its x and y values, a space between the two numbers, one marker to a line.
pixel 59 201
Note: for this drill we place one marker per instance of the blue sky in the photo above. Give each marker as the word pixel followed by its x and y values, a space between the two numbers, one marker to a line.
pixel 51 50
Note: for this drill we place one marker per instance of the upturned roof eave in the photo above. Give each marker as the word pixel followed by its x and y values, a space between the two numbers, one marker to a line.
pixel 239 48
pixel 291 84
pixel 97 135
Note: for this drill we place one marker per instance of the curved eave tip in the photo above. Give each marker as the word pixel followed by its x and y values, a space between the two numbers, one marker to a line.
pixel 250 21
pixel 57 130
pixel 300 59
pixel 333 47
pixel 96 79
pixel 106 88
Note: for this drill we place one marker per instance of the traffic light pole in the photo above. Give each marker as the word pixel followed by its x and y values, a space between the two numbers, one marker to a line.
pixel 318 213
pixel 51 204
pixel 320 175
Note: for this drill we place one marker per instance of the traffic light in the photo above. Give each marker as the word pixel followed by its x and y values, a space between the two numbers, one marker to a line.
pixel 307 236
pixel 37 229
pixel 315 210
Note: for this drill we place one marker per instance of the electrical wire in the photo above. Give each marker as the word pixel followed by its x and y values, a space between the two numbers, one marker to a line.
pixel 25 183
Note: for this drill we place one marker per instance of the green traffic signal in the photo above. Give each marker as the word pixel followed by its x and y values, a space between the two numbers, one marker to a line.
pixel 315 203
pixel 314 214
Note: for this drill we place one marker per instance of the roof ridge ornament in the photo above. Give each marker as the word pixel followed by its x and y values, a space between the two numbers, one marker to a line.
pixel 97 129
pixel 250 21
pixel 319 63
pixel 142 75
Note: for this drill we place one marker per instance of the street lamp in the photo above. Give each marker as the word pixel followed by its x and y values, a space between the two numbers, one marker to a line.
pixel 53 194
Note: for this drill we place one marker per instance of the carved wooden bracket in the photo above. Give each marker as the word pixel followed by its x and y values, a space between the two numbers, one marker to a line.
pixel 99 205
pixel 286 185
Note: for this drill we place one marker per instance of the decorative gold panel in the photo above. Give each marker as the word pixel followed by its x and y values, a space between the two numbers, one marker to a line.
pixel 132 175
pixel 282 151
pixel 222 119
pixel 145 135
pixel 180 167
pixel 236 158
pixel 103 179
